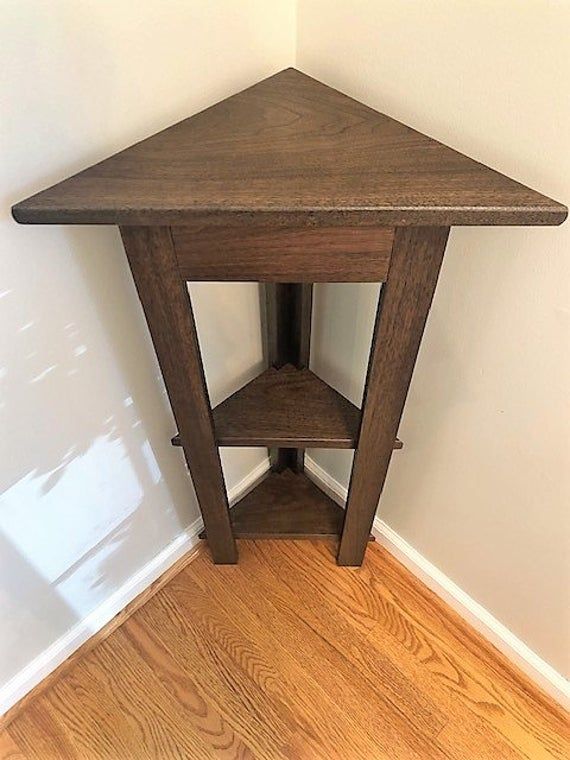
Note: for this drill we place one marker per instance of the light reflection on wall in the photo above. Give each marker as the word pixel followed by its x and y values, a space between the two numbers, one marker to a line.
pixel 73 342
pixel 90 487
pixel 55 523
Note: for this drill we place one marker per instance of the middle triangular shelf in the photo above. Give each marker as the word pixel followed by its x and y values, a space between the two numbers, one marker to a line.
pixel 287 407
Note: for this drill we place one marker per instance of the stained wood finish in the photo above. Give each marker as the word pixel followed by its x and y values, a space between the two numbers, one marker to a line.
pixel 289 151
pixel 288 310
pixel 288 182
pixel 287 340
pixel 287 407
pixel 301 332
pixel 175 441
pixel 286 505
pixel 168 311
pixel 335 254
pixel 403 308
pixel 320 662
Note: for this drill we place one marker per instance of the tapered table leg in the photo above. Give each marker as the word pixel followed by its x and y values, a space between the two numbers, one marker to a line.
pixel 166 303
pixel 403 307
pixel 287 329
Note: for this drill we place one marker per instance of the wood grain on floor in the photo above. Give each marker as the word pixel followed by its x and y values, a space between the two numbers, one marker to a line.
pixel 287 656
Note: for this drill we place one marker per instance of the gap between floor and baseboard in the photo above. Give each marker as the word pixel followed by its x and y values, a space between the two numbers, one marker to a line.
pixel 151 573
pixel 541 673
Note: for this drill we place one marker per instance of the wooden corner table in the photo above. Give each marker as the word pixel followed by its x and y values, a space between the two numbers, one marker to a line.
pixel 288 183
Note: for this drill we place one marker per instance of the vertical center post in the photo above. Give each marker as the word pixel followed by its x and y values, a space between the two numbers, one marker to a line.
pixel 287 308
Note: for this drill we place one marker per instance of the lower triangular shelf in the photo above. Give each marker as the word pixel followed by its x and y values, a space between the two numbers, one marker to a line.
pixel 286 505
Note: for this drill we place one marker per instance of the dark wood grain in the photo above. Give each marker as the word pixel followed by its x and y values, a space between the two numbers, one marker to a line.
pixel 288 310
pixel 286 505
pixel 176 441
pixel 287 408
pixel 289 182
pixel 301 333
pixel 403 308
pixel 290 151
pixel 166 303
pixel 329 254
pixel 287 340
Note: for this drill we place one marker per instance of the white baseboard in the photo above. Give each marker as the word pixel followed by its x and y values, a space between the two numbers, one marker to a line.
pixel 552 682
pixel 46 662
pixel 482 620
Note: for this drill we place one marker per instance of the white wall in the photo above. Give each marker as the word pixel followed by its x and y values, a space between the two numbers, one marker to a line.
pixel 90 488
pixel 482 488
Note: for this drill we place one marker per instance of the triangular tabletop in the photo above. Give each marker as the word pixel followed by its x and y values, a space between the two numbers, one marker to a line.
pixel 289 151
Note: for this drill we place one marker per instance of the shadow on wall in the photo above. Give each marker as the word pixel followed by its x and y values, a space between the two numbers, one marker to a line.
pixel 90 487
pixel 96 483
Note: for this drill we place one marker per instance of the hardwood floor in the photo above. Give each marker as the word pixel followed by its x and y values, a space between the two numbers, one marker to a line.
pixel 287 655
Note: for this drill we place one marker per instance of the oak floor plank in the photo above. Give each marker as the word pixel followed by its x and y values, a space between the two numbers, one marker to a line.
pixel 288 657
pixel 486 686
pixel 110 693
pixel 302 622
pixel 39 734
pixel 266 672
pixel 229 684
pixel 156 724
pixel 205 720
pixel 424 662
pixel 343 629
pixel 9 750
pixel 480 699
pixel 320 721
pixel 230 733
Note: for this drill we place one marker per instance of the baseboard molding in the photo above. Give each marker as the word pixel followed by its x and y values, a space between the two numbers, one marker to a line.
pixel 543 674
pixel 114 610
pixel 104 615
